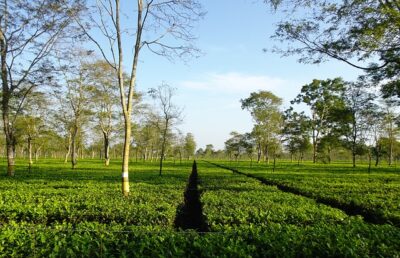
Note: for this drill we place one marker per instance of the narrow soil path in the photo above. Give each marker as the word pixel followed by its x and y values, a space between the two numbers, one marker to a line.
pixel 190 214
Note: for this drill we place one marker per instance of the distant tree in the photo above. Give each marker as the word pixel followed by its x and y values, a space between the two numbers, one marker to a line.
pixel 390 128
pixel 233 145
pixel 177 144
pixel 249 144
pixel 103 94
pixel 358 104
pixel 296 133
pixel 323 97
pixel 264 108
pixel 169 112
pixel 189 145
pixel 73 97
pixel 200 152
pixel 148 137
pixel 31 124
pixel 209 151
pixel 373 120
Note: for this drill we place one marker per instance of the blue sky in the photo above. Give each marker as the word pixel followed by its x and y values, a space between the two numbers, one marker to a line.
pixel 232 36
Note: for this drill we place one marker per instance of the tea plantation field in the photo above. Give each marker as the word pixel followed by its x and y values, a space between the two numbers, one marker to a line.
pixel 53 211
pixel 376 195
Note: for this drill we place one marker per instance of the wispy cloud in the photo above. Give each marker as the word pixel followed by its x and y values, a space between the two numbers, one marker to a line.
pixel 234 83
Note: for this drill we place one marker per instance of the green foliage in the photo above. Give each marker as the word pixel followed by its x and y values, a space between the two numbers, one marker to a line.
pixel 375 192
pixel 189 145
pixel 266 222
pixel 363 34
pixel 55 212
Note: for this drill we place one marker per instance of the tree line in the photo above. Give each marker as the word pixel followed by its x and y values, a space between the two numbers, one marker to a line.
pixel 81 119
pixel 341 115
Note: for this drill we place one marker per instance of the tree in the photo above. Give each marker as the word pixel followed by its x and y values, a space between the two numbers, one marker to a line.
pixel 208 151
pixel 169 112
pixel 164 22
pixel 103 93
pixel 264 108
pixel 390 129
pixel 296 133
pixel 200 152
pixel 148 136
pixel 31 124
pixel 248 143
pixel 233 145
pixel 73 99
pixel 359 104
pixel 347 30
pixel 323 97
pixel 29 30
pixel 189 145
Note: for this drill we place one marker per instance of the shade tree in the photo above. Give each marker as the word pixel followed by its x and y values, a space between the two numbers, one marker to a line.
pixel 359 105
pixel 323 97
pixel 189 145
pixel 296 133
pixel 264 108
pixel 169 113
pixel 103 94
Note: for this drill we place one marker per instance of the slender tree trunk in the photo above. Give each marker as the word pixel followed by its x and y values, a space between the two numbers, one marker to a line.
pixel 273 168
pixel 258 152
pixel 6 94
pixel 315 146
pixel 73 147
pixel 30 152
pixel 164 140
pixel 69 147
pixel 127 102
pixel 266 152
pixel 106 149
pixel 314 152
pixel 10 159
pixel 377 154
pixel 125 159
pixel 390 151
pixel 369 162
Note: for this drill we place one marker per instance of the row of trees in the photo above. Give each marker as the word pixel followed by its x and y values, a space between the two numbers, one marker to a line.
pixel 82 116
pixel 341 115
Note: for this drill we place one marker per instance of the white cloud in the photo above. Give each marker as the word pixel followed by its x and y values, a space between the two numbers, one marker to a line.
pixel 234 83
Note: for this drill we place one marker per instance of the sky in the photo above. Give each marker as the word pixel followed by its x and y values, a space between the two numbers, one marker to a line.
pixel 232 37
